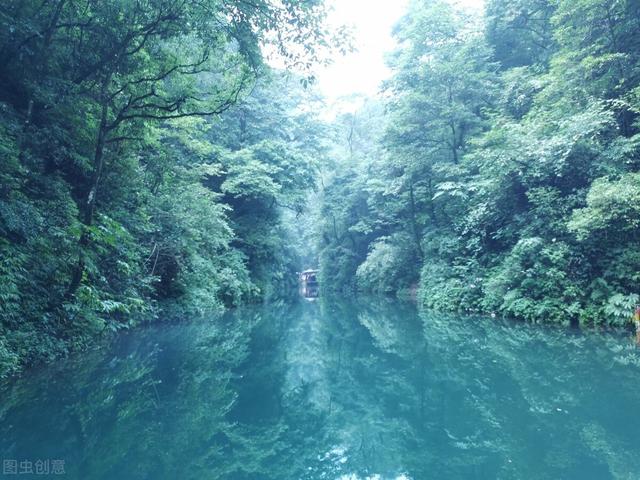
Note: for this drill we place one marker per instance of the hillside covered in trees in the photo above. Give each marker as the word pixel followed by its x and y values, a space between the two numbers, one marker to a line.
pixel 148 154
pixel 152 162
pixel 500 171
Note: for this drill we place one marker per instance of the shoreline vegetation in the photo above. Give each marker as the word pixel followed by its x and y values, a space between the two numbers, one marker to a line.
pixel 151 158
pixel 501 171
pixel 148 157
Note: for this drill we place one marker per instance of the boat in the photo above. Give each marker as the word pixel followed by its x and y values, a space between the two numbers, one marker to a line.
pixel 309 287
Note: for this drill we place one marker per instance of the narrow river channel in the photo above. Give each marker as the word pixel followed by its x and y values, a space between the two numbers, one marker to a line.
pixel 332 389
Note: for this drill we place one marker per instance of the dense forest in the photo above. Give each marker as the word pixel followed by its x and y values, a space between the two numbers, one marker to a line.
pixel 150 159
pixel 500 171
pixel 153 162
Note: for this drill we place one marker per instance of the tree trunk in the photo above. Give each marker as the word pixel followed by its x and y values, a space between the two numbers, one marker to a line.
pixel 414 223
pixel 87 209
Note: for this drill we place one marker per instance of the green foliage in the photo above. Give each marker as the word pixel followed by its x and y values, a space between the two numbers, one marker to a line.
pixel 534 283
pixel 618 307
pixel 520 31
pixel 509 162
pixel 346 216
pixel 386 270
pixel 613 209
pixel 124 185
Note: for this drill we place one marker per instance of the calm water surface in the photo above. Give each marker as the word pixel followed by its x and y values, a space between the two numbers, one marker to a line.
pixel 334 390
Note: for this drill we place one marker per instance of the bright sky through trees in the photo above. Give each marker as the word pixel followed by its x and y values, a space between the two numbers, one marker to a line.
pixel 364 69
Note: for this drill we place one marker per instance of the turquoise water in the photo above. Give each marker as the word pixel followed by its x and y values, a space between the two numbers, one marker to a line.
pixel 334 390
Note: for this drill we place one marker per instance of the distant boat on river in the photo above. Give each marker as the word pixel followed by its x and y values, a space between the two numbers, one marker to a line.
pixel 309 287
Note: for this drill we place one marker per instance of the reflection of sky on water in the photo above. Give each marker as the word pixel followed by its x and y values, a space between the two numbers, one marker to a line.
pixel 304 346
pixel 335 390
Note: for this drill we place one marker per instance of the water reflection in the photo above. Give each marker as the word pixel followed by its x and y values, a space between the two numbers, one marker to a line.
pixel 335 390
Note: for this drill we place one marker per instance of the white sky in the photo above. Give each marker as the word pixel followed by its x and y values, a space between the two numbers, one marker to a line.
pixel 363 70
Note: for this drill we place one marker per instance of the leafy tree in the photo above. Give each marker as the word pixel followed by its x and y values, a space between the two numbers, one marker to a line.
pixel 506 177
pixel 106 210
pixel 520 32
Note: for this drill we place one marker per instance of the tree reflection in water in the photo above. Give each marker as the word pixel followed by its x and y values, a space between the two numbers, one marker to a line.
pixel 338 390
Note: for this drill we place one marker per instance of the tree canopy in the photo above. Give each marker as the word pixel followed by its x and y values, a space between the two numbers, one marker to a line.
pixel 148 151
pixel 505 179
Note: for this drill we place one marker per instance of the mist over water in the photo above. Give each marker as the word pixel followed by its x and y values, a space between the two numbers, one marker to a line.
pixel 334 389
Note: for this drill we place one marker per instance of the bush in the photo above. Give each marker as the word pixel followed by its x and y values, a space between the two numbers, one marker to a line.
pixel 534 283
pixel 390 265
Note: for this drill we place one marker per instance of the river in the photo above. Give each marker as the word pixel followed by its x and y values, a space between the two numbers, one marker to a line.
pixel 331 389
